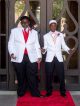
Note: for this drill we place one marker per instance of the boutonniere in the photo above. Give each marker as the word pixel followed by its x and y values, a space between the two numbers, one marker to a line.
pixel 58 34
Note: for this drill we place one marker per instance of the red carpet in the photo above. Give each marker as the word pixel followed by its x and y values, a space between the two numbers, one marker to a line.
pixel 54 100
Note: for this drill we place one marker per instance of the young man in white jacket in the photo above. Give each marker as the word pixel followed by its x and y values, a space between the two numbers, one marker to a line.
pixel 24 50
pixel 53 45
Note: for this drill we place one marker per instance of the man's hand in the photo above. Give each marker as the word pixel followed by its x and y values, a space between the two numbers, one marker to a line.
pixel 12 56
pixel 39 60
pixel 43 50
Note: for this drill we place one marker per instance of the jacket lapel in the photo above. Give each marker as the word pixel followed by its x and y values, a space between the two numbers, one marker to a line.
pixel 22 36
pixel 30 36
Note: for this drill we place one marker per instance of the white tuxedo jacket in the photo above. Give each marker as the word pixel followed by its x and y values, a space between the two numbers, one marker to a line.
pixel 54 49
pixel 17 45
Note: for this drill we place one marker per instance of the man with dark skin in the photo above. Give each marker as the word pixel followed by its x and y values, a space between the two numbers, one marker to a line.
pixel 25 53
pixel 53 45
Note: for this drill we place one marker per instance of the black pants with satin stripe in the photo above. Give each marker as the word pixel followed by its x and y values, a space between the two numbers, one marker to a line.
pixel 27 74
pixel 49 68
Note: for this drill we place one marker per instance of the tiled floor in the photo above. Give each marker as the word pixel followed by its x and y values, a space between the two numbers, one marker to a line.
pixel 8 98
pixel 76 97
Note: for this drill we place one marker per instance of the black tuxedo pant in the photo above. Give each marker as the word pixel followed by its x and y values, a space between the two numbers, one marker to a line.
pixel 27 75
pixel 49 68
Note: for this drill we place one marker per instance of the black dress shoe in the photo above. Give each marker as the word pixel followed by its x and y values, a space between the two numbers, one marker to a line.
pixel 63 94
pixel 18 96
pixel 48 94
pixel 41 96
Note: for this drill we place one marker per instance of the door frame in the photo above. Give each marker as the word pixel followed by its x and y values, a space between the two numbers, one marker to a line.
pixel 46 15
